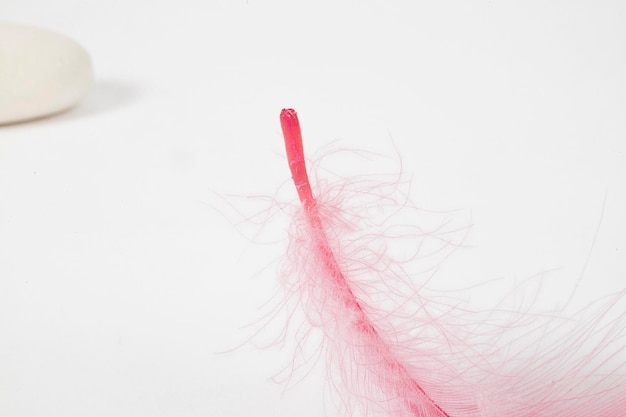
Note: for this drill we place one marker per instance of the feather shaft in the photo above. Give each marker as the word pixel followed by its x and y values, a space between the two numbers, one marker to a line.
pixel 419 404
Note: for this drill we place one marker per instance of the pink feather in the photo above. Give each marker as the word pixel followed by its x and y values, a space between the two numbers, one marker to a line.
pixel 394 350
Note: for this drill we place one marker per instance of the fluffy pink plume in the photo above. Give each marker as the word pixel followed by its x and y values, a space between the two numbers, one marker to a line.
pixel 396 350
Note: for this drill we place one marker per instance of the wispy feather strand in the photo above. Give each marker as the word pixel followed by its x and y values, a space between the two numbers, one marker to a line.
pixel 394 350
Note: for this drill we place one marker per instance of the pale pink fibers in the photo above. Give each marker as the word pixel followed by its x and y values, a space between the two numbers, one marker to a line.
pixel 426 358
pixel 398 380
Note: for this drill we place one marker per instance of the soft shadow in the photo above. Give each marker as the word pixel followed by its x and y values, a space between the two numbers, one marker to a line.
pixel 105 96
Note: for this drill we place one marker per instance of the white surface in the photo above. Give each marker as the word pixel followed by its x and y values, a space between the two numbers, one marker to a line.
pixel 119 282
pixel 41 72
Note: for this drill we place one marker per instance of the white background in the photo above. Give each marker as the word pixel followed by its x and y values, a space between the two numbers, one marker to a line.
pixel 123 272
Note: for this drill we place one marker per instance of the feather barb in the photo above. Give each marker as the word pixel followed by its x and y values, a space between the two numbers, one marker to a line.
pixel 397 381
